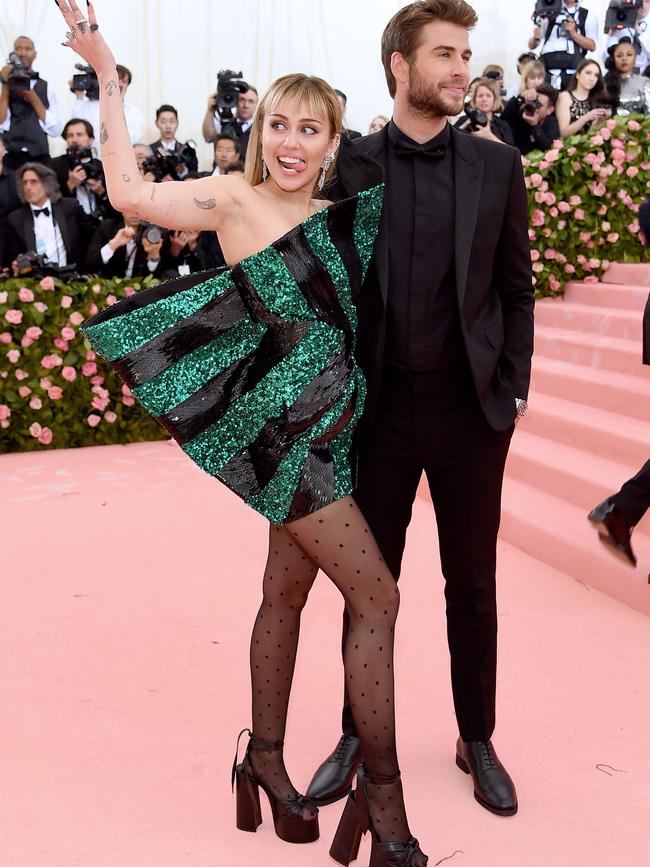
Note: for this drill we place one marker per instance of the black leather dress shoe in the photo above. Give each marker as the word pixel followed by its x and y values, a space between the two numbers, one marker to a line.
pixel 493 788
pixel 613 530
pixel 333 779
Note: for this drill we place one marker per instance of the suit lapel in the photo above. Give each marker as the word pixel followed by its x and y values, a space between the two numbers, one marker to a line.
pixel 468 179
pixel 60 220
pixel 28 229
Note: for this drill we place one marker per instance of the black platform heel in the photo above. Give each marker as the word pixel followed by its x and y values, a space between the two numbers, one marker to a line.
pixel 287 812
pixel 354 823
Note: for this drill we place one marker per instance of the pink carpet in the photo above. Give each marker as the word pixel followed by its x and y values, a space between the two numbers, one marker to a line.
pixel 130 583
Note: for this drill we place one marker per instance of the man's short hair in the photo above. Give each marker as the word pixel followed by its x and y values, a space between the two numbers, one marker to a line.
pixel 166 107
pixel 548 90
pixel 225 136
pixel 403 32
pixel 47 176
pixel 73 122
pixel 342 95
pixel 644 221
pixel 237 166
pixel 124 72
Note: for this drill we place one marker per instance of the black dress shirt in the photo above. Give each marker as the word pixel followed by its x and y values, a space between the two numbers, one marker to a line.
pixel 423 324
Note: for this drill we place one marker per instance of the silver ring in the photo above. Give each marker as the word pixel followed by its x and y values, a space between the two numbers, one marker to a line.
pixel 70 36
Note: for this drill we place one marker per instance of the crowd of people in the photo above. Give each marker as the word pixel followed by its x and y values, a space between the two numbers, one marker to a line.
pixel 54 212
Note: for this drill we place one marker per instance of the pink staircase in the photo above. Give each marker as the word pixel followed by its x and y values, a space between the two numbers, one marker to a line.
pixel 587 432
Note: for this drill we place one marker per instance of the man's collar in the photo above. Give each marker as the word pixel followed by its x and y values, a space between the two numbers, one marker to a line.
pixel 46 204
pixel 397 137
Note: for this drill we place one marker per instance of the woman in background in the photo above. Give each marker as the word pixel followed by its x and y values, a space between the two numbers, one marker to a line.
pixel 584 101
pixel 628 91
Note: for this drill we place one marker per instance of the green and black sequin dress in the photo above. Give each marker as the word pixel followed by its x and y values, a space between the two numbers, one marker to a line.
pixel 252 369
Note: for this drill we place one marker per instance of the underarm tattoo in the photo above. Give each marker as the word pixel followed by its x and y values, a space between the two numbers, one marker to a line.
pixel 111 87
pixel 207 205
pixel 171 208
pixel 153 193
pixel 126 179
pixel 104 134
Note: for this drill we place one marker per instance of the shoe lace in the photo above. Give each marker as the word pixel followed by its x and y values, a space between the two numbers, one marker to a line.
pixel 487 754
pixel 340 747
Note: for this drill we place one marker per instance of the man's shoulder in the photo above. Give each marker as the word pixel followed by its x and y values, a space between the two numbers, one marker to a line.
pixel 16 216
pixel 493 152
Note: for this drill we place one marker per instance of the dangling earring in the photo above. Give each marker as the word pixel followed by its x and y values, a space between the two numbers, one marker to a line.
pixel 327 162
pixel 265 171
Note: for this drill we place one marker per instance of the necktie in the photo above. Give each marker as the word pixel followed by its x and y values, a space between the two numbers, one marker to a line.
pixel 406 149
pixel 38 211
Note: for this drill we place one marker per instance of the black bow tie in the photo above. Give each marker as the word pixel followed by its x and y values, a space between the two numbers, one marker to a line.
pixel 45 211
pixel 405 149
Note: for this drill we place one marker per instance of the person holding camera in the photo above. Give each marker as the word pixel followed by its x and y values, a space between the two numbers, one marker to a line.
pixel 584 102
pixel 167 123
pixel 480 113
pixel 629 92
pixel 565 36
pixel 125 247
pixel 531 116
pixel 28 108
pixel 88 108
pixel 239 127
pixel 638 33
pixel 522 61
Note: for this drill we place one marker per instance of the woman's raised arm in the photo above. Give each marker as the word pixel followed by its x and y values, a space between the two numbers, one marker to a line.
pixel 190 205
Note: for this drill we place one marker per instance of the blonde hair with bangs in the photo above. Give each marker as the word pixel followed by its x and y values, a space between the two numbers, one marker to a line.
pixel 293 89
pixel 535 67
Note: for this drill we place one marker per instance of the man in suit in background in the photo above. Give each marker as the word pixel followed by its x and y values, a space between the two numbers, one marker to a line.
pixel 616 517
pixel 343 102
pixel 118 249
pixel 445 339
pixel 54 227
pixel 9 200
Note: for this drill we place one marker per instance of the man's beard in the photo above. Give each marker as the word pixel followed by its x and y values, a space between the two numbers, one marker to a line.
pixel 428 101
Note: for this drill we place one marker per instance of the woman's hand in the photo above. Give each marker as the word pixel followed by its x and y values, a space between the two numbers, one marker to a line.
pixel 598 114
pixel 86 40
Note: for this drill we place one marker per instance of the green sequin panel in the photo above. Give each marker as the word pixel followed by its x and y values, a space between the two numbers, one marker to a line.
pixel 318 236
pixel 366 224
pixel 276 286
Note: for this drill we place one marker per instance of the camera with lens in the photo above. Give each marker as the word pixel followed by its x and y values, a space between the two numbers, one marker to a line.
pixel 495 76
pixel 546 9
pixel 473 120
pixel 78 156
pixel 20 76
pixel 35 265
pixel 150 232
pixel 165 164
pixel 622 14
pixel 229 86
pixel 529 108
pixel 86 81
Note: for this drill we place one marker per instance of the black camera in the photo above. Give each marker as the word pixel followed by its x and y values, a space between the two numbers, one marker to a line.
pixel 19 75
pixel 165 164
pixel 86 81
pixel 622 14
pixel 529 108
pixel 35 265
pixel 84 157
pixel 229 86
pixel 496 76
pixel 473 120
pixel 547 9
pixel 150 232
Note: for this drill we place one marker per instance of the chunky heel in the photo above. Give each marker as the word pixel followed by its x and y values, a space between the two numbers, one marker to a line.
pixel 462 764
pixel 345 846
pixel 249 813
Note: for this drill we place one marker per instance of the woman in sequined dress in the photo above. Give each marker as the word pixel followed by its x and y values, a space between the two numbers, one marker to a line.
pixel 253 371
pixel 629 91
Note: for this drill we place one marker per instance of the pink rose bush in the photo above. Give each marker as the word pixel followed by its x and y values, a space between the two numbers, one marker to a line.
pixel 584 195
pixel 55 391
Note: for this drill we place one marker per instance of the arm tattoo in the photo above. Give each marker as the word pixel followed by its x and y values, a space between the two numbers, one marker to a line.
pixel 171 209
pixel 111 87
pixel 153 193
pixel 207 205
pixel 104 134
pixel 126 179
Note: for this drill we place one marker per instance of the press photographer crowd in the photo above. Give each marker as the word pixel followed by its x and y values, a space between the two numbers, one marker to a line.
pixel 55 216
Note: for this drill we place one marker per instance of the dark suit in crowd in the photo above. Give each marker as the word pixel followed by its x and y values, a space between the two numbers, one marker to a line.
pixel 75 227
pixel 102 206
pixel 445 338
pixel 192 163
pixel 117 264
pixel 9 201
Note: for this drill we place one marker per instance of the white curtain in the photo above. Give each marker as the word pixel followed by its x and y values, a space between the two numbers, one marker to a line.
pixel 174 49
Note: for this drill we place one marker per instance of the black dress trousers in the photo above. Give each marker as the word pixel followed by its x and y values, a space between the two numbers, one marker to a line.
pixel 633 500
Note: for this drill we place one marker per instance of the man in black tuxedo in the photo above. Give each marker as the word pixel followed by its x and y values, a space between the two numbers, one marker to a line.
pixel 167 123
pixel 445 338
pixel 46 223
pixel 117 249
pixel 9 200
pixel 618 515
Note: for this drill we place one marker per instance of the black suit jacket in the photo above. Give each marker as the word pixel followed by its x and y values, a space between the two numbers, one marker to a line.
pixel 116 265
pixel 75 227
pixel 646 332
pixel 493 267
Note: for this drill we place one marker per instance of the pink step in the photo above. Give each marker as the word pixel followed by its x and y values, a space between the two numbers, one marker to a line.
pixel 629 274
pixel 607 295
pixel 600 321
pixel 558 533
pixel 606 434
pixel 613 392
pixel 603 353
pixel 569 472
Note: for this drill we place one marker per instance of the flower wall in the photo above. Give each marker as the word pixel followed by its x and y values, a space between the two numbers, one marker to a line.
pixel 584 196
pixel 54 391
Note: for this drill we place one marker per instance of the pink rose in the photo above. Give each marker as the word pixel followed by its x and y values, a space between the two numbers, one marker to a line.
pixel 128 290
pixel 575 200
pixel 25 295
pixel 618 155
pixel 633 227
pixel 62 345
pixel 55 393
pixel 602 210
pixel 68 333
pixel 66 301
pixel 591 159
pixel 51 361
pixel 97 380
pixel 34 332
pixel 99 391
pixel 110 300
pixel 13 355
pixel 5 412
pixel 591 279
pixel 21 375
pixel 571 151
pixel 634 125
pixel 532 236
pixel 46 437
pixel 90 355
pixel 565 207
pixel 645 167
pixel 89 368
pixel 585 237
pixel 76 318
pixel 536 179
pixel 606 133
pixel 126 390
pixel 598 189
pixel 5 337
pixel 554 212
pixel 14 317
pixel 92 309
pixel 632 171
pixel 597 140
pixel 93 420
pixel 47 283
pixel 552 155
pixel 128 401
pixel 24 391
pixel 594 263
pixel 554 283
pixel 538 218
pixel 69 374
pixel 3 297
pixel 40 306
pixel 99 403
pixel 612 238
pixel 606 226
pixel 45 383
pixel 534 255
pixel 540 197
pixel 26 342
pixel 110 417
pixel 561 224
pixel 35 430
pixel 550 254
pixel 569 269
pixel 611 124
pixel 547 232
pixel 538 267
pixel 36 403
pixel 579 214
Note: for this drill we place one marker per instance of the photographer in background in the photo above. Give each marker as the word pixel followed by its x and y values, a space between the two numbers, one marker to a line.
pixel 232 93
pixel 523 59
pixel 480 118
pixel 621 21
pixel 86 106
pixel 565 37
pixel 584 102
pixel 80 173
pixel 28 108
pixel 124 247
pixel 531 117
pixel 167 123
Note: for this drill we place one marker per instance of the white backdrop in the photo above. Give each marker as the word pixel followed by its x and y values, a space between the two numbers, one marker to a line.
pixel 174 49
